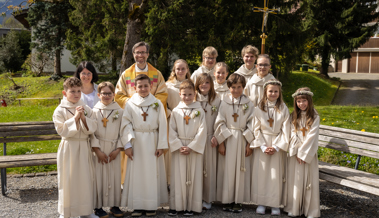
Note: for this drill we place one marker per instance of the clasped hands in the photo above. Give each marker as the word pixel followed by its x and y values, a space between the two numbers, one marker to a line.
pixel 103 158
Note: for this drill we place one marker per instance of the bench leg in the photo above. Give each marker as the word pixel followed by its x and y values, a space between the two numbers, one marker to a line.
pixel 3 181
pixel 357 162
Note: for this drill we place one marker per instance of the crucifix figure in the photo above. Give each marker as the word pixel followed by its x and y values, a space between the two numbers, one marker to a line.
pixel 304 130
pixel 105 120
pixel 235 115
pixel 265 11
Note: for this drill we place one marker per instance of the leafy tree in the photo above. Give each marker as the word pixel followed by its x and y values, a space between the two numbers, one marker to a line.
pixel 338 27
pixel 24 38
pixel 11 52
pixel 186 27
pixel 100 31
pixel 49 22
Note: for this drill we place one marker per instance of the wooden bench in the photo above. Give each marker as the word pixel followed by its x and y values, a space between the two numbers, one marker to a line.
pixel 354 142
pixel 25 132
pixel 19 99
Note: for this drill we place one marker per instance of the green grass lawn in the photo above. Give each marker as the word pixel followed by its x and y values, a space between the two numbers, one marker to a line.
pixel 351 117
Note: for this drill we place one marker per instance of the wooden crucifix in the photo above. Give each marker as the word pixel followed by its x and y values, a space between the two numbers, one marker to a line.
pixel 265 11
pixel 304 130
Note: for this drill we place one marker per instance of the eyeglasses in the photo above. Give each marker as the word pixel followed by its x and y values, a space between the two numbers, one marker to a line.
pixel 263 65
pixel 106 94
pixel 86 74
pixel 140 52
pixel 209 58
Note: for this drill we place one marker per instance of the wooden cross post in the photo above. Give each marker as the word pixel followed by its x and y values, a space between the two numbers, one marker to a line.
pixel 265 11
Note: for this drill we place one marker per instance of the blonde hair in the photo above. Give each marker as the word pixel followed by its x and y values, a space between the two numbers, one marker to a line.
pixel 202 78
pixel 222 64
pixel 173 74
pixel 187 84
pixel 311 112
pixel 105 84
pixel 211 51
pixel 71 82
pixel 279 101
pixel 250 49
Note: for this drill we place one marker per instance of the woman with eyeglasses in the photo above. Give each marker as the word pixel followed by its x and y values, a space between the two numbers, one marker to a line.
pixel 254 87
pixel 86 72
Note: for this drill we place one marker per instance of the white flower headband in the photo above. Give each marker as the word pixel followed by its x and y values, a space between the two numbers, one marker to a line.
pixel 273 82
pixel 302 93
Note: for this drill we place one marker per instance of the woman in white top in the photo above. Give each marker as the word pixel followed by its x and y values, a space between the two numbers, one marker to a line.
pixel 86 72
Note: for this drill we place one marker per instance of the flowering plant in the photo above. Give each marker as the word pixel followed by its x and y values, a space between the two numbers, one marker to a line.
pixel 115 117
pixel 245 107
pixel 195 114
pixel 155 105
pixel 214 109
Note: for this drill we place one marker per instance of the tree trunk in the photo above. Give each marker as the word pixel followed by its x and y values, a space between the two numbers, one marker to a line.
pixel 325 57
pixel 57 63
pixel 133 31
pixel 114 61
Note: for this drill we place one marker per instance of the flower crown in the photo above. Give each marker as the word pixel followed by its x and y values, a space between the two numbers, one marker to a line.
pixel 273 82
pixel 302 93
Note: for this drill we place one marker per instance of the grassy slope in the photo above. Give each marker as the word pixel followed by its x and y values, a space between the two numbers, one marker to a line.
pixel 350 117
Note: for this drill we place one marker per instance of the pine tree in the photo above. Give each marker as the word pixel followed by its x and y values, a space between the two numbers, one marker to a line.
pixel 49 22
pixel 100 32
pixel 338 27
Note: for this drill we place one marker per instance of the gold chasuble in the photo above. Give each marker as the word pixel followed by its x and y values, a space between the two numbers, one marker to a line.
pixel 125 85
pixel 125 90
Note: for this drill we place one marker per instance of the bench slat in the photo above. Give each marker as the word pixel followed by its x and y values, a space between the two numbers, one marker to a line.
pixel 27 127
pixel 350 136
pixel 348 183
pixel 348 149
pixel 28 133
pixel 349 143
pixel 26 123
pixel 31 139
pixel 10 158
pixel 350 131
pixel 349 174
pixel 28 163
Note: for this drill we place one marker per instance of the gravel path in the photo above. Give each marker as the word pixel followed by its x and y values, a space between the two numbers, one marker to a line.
pixel 357 89
pixel 37 197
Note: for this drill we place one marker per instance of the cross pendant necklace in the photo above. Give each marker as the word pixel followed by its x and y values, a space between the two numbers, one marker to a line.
pixel 270 120
pixel 186 117
pixel 105 120
pixel 303 129
pixel 235 115
pixel 145 113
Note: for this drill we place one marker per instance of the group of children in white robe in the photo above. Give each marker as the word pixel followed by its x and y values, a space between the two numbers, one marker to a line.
pixel 222 145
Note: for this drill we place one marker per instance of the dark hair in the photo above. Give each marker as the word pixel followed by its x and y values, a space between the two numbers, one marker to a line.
pixel 71 82
pixel 236 78
pixel 142 43
pixel 141 77
pixel 89 66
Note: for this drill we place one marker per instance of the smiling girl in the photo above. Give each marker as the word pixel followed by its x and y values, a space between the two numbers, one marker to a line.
pixel 220 74
pixel 303 179
pixel 254 87
pixel 271 130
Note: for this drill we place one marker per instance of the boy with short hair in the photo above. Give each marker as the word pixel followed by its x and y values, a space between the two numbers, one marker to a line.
pixel 234 134
pixel 249 55
pixel 187 138
pixel 107 145
pixel 144 134
pixel 207 66
pixel 72 120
